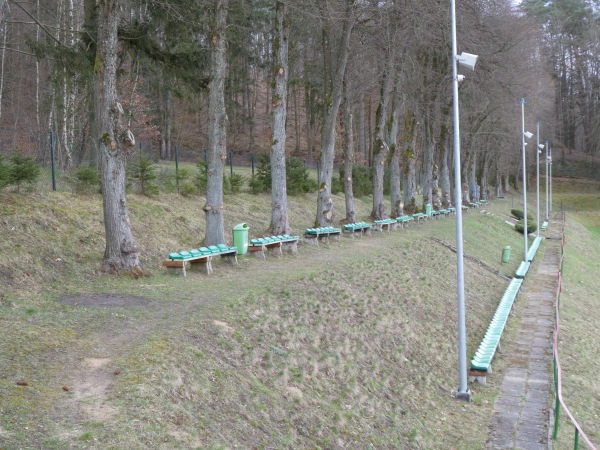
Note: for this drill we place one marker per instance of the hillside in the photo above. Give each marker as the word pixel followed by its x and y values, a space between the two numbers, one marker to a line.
pixel 347 345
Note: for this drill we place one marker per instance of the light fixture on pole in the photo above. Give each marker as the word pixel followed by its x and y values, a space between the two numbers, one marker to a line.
pixel 547 179
pixel 467 60
pixel 528 135
pixel 538 150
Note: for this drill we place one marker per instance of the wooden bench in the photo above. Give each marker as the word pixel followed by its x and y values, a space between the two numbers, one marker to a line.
pixel 362 228
pixel 314 235
pixel 260 246
pixel 481 364
pixel 419 217
pixel 404 221
pixel 451 211
pixel 199 258
pixel 437 213
pixel 534 248
pixel 387 224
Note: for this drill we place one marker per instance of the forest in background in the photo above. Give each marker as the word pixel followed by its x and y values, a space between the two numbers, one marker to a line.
pixel 352 81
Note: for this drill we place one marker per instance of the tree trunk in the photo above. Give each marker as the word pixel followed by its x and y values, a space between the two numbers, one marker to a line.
pixel 397 204
pixel 428 161
pixel 348 159
pixel 445 170
pixel 380 147
pixel 279 208
pixel 217 128
pixel 325 210
pixel 362 129
pixel 409 161
pixel 121 253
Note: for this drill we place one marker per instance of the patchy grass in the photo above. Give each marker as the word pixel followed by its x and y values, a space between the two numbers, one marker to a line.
pixel 579 347
pixel 347 345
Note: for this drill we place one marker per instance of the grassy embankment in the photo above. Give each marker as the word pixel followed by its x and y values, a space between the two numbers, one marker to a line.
pixel 352 344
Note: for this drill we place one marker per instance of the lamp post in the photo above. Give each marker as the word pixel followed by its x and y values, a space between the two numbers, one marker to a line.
pixel 467 60
pixel 528 135
pixel 551 180
pixel 547 179
pixel 538 150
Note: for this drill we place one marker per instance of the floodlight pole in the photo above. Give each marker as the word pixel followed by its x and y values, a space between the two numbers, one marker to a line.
pixel 524 178
pixel 550 180
pixel 547 179
pixel 537 179
pixel 463 392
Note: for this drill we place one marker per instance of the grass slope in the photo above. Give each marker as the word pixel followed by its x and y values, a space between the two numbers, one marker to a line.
pixel 579 346
pixel 351 345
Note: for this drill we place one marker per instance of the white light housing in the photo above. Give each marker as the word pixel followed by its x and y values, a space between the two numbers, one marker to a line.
pixel 467 60
pixel 528 135
pixel 460 78
pixel 541 146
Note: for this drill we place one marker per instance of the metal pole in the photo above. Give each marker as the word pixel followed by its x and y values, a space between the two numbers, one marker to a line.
pixel 547 179
pixel 230 163
pixel 252 160
pixel 52 160
pixel 550 180
pixel 537 180
pixel 463 390
pixel 524 178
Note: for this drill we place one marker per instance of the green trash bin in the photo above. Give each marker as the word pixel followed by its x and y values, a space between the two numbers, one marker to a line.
pixel 506 255
pixel 240 238
pixel 428 209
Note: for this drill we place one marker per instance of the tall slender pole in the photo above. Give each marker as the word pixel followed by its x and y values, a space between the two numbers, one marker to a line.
pixel 550 180
pixel 547 180
pixel 524 178
pixel 537 179
pixel 463 391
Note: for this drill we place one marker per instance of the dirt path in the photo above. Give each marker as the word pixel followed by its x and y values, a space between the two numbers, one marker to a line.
pixel 520 418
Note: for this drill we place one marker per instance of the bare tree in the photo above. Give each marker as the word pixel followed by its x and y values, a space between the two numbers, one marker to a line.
pixel 112 138
pixel 325 210
pixel 279 209
pixel 217 128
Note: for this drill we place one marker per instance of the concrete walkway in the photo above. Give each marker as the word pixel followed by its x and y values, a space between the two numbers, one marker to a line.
pixel 521 418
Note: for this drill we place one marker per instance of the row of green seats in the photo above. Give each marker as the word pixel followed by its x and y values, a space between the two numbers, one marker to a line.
pixel 323 230
pixel 269 239
pixel 385 221
pixel 202 251
pixel 487 349
pixel 357 225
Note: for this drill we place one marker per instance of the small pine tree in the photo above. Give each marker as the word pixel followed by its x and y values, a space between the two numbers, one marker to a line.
pixel 22 169
pixel 4 172
pixel 144 172
pixel 86 179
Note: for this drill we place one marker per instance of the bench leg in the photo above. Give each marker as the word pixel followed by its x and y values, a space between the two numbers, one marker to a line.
pixel 201 266
pixel 291 247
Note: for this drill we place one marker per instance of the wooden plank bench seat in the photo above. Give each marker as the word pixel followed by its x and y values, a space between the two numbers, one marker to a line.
pixel 534 248
pixel 314 235
pixel 362 228
pixel 260 246
pixel 481 363
pixel 199 258
pixel 387 224
pixel 404 221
